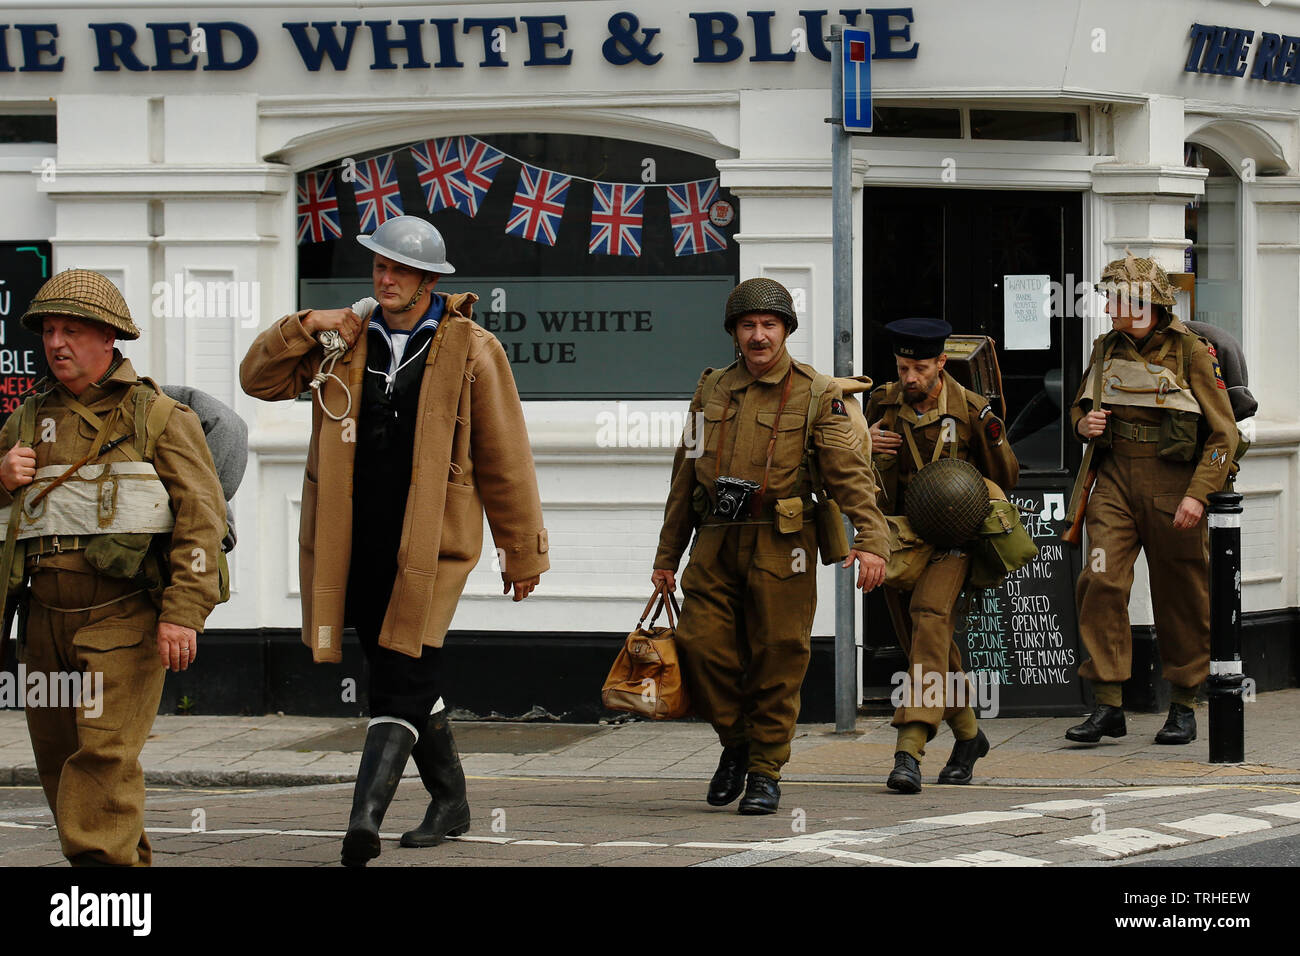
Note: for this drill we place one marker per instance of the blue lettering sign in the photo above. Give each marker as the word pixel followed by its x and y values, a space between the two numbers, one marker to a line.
pixel 215 36
pixel 165 46
pixel 327 43
pixel 493 38
pixel 712 29
pixel 34 48
pixel 539 40
pixel 383 44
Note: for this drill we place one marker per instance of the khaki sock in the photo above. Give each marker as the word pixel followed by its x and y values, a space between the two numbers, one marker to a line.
pixel 1183 695
pixel 1109 693
pixel 912 738
pixel 964 724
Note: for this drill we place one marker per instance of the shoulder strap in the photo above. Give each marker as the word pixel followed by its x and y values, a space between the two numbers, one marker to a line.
pixel 27 421
pixel 151 417
pixel 710 383
pixel 820 383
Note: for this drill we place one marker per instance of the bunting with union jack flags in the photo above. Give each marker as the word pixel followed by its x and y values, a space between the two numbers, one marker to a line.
pixel 688 214
pixel 539 205
pixel 616 219
pixel 378 195
pixel 456 172
pixel 439 171
pixel 479 164
pixel 318 208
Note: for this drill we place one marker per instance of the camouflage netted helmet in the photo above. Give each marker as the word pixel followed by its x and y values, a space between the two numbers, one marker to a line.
pixel 760 295
pixel 1140 279
pixel 947 502
pixel 81 294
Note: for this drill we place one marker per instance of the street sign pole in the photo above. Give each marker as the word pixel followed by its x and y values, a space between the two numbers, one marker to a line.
pixel 846 651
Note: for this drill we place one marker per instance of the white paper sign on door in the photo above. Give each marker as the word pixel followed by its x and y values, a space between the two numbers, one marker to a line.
pixel 1027 312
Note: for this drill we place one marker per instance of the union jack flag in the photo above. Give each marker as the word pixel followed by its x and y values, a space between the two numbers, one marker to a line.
pixel 438 167
pixel 318 208
pixel 539 205
pixel 688 214
pixel 379 198
pixel 479 164
pixel 616 219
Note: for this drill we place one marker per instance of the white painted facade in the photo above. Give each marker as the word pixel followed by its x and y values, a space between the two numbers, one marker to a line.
pixel 160 173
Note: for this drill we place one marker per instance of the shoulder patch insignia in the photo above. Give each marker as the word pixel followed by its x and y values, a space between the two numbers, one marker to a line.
pixel 1211 348
pixel 984 411
pixel 1218 372
pixel 837 407
pixel 993 429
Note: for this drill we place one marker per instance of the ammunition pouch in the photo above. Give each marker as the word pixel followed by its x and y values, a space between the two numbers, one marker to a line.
pixel 700 503
pixel 123 555
pixel 908 554
pixel 1178 436
pixel 789 515
pixel 1001 546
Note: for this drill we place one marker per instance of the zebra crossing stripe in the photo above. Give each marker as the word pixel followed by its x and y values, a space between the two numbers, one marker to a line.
pixel 1219 824
pixel 1123 842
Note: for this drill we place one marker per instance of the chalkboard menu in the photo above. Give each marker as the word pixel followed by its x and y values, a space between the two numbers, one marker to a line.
pixel 1024 634
pixel 24 267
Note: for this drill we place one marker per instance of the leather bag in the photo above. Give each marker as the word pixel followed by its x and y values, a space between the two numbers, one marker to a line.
pixel 646 678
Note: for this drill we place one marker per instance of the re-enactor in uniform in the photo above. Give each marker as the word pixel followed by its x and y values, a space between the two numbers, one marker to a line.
pixel 1155 402
pixel 924 416
pixel 418 432
pixel 750 585
pixel 114 510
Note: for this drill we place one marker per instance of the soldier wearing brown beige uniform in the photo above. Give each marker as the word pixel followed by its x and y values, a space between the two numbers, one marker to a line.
pixel 750 584
pixel 122 555
pixel 1155 402
pixel 922 417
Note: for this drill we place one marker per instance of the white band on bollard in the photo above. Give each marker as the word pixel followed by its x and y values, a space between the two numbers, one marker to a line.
pixel 1220 668
pixel 1224 521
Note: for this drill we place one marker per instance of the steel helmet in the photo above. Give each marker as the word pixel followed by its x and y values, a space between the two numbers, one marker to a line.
pixel 411 241
pixel 1138 278
pixel 81 294
pixel 947 502
pixel 760 295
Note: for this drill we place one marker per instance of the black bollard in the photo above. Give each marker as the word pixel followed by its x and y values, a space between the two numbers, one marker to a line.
pixel 1224 686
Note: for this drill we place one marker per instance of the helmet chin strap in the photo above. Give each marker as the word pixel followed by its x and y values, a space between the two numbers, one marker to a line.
pixel 419 293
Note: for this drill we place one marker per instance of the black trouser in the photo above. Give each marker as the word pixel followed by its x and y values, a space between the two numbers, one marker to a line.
pixel 399 686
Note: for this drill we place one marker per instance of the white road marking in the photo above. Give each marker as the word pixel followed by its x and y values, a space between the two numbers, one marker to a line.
pixel 1154 792
pixel 862 857
pixel 1219 824
pixel 1047 806
pixel 542 843
pixel 1123 842
pixel 975 818
pixel 1291 810
pixel 633 843
pixel 988 858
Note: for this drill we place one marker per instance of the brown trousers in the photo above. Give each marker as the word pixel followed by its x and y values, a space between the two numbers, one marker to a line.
pixel 924 620
pixel 744 636
pixel 88 758
pixel 1132 506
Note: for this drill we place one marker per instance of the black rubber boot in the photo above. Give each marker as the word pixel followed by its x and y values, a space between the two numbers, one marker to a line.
pixel 439 763
pixel 387 748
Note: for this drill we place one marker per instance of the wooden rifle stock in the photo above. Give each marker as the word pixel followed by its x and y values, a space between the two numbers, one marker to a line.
pixel 1074 533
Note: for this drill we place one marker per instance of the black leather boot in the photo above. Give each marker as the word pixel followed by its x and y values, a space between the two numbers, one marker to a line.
pixel 906 775
pixel 729 779
pixel 1104 721
pixel 762 795
pixel 1180 726
pixel 439 764
pixel 383 758
pixel 961 762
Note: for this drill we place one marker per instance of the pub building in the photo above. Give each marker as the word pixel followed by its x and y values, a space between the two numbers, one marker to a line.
pixel 603 173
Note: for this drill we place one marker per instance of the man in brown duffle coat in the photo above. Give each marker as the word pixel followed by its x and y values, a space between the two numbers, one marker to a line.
pixel 923 416
pixel 750 584
pixel 1167 437
pixel 122 556
pixel 419 433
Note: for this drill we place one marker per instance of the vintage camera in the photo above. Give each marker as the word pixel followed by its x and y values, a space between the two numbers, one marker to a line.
pixel 733 495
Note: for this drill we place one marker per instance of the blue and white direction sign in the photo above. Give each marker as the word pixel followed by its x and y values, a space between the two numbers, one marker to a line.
pixel 855 62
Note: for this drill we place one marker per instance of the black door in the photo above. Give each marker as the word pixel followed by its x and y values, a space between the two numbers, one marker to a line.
pixel 946 253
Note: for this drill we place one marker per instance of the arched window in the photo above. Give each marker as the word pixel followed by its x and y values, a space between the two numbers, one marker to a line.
pixel 1214 228
pixel 602 265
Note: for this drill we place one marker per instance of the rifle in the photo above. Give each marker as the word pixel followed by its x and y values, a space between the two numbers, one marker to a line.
pixel 1074 533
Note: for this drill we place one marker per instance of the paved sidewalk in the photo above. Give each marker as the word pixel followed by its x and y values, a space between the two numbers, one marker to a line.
pixel 290 751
